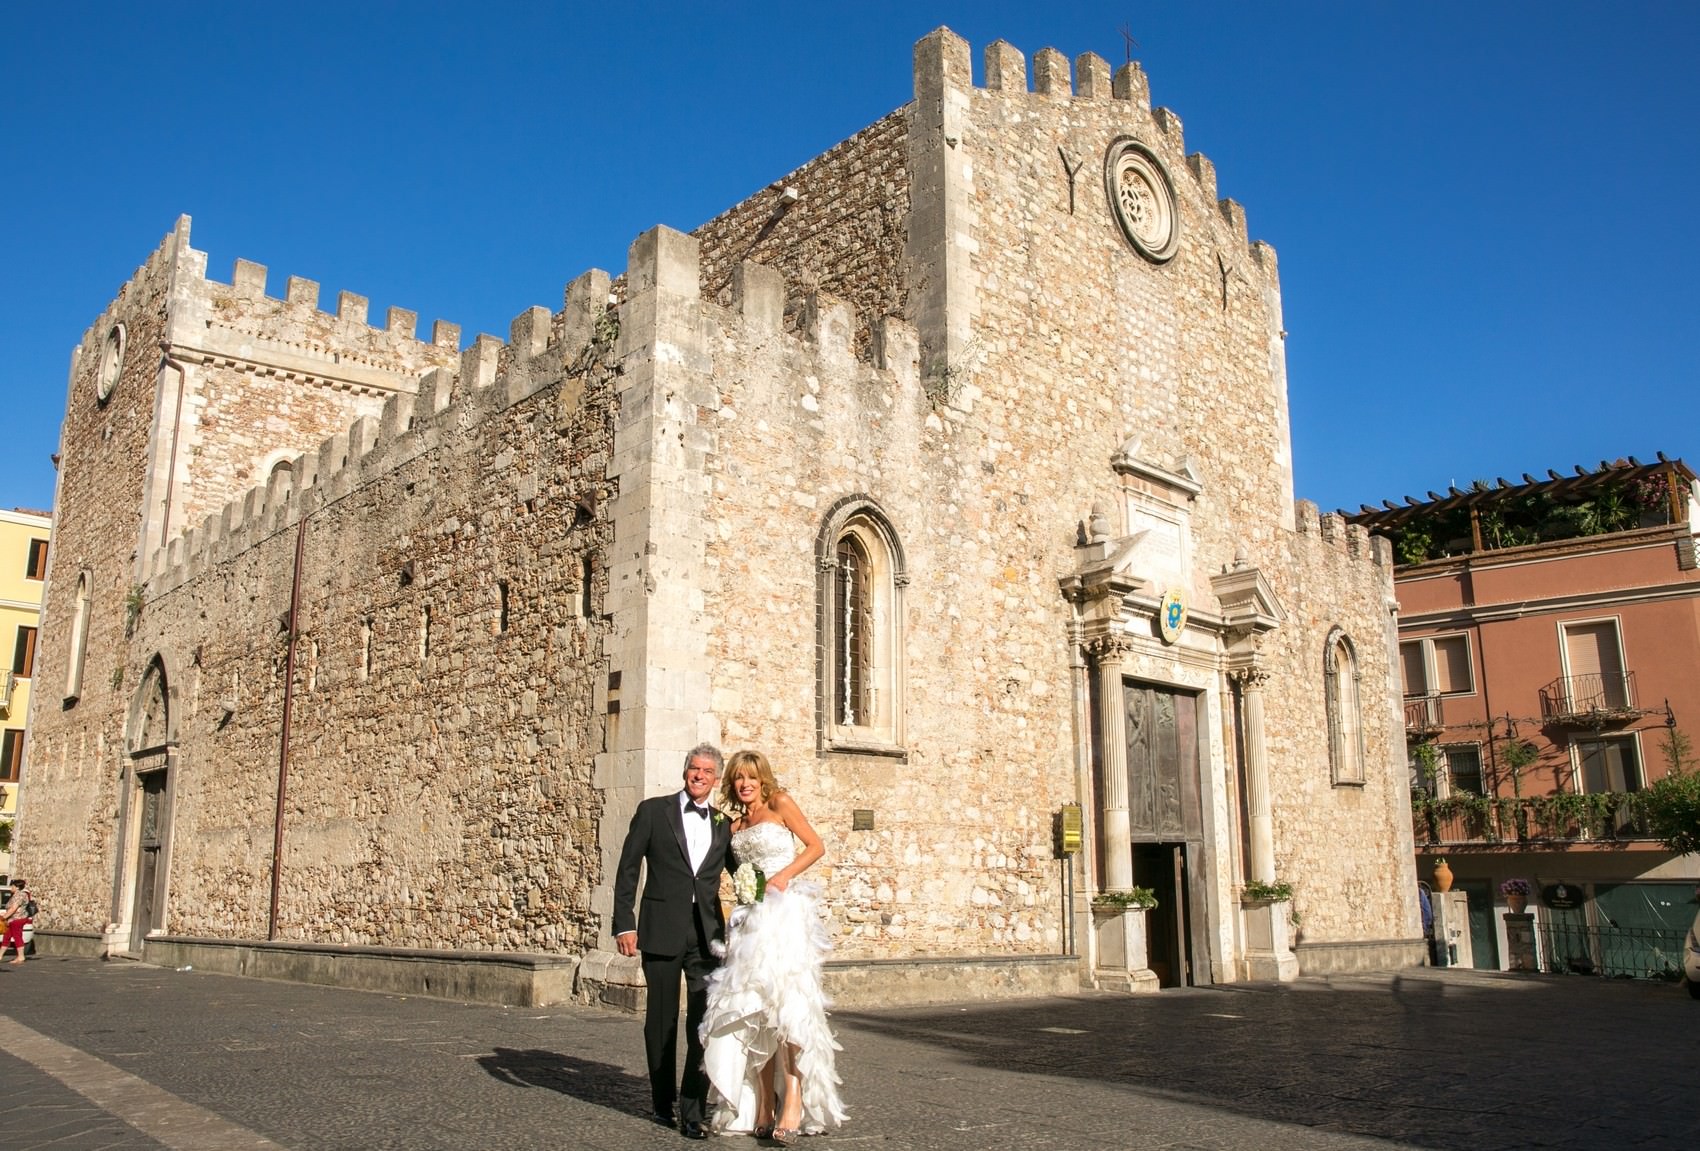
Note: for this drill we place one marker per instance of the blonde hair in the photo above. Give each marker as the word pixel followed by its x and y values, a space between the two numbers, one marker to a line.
pixel 758 766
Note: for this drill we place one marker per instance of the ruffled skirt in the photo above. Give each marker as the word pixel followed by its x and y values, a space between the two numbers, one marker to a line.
pixel 768 993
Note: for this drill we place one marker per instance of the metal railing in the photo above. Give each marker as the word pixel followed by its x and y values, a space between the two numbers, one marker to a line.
pixel 1607 816
pixel 1424 715
pixel 1600 695
pixel 1633 952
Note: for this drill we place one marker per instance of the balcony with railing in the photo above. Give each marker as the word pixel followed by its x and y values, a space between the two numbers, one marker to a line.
pixel 1552 820
pixel 1597 699
pixel 1425 718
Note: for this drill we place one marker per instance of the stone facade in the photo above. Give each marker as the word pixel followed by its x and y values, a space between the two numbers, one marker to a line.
pixel 835 225
pixel 527 577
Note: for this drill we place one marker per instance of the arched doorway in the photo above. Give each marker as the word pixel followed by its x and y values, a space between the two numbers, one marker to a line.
pixel 144 853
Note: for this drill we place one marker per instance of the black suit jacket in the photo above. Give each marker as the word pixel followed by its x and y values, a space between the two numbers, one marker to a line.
pixel 657 839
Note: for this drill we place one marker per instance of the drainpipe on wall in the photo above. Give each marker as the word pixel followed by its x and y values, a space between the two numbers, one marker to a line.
pixel 288 710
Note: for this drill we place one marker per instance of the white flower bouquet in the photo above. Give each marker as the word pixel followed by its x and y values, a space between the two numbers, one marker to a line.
pixel 749 884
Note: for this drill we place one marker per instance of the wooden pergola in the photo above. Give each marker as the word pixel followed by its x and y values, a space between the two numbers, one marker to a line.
pixel 1392 519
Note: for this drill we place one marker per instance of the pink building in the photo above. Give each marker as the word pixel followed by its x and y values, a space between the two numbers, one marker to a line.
pixel 1549 649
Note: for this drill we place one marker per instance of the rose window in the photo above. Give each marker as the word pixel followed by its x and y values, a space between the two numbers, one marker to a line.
pixel 1142 199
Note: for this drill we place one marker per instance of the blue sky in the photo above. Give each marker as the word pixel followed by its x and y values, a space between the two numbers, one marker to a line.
pixel 1485 213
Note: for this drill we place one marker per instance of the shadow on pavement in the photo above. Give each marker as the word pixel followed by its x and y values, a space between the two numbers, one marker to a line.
pixel 600 1083
pixel 1459 1063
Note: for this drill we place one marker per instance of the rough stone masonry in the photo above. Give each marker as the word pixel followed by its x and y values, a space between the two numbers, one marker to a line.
pixel 952 470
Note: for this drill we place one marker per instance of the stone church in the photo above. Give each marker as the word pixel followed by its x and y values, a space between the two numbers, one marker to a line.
pixel 952 470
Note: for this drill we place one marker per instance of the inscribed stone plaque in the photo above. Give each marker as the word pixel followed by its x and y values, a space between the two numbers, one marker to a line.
pixel 1161 553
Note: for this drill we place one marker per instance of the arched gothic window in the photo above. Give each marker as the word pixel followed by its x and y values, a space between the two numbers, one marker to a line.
pixel 861 630
pixel 79 641
pixel 853 628
pixel 1342 682
pixel 150 711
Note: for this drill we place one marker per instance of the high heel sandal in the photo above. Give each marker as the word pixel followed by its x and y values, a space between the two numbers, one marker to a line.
pixel 763 1131
pixel 785 1136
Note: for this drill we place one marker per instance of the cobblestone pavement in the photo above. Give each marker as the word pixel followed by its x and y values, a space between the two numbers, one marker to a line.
pixel 125 1056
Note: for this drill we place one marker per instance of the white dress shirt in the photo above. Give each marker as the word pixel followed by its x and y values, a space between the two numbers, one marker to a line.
pixel 699 832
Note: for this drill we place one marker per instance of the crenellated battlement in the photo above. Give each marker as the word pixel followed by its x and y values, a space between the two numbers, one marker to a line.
pixel 1332 530
pixel 1090 80
pixel 158 260
pixel 820 324
pixel 543 348
pixel 1004 69
pixel 299 304
pixel 427 386
pixel 488 376
pixel 237 324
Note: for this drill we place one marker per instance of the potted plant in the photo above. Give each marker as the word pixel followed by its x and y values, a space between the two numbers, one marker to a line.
pixel 1123 949
pixel 1256 892
pixel 1268 922
pixel 1516 892
pixel 1118 901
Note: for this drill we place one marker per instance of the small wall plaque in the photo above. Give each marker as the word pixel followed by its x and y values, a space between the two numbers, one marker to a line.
pixel 862 819
pixel 1068 825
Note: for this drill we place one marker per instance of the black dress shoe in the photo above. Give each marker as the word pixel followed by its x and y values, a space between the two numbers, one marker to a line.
pixel 691 1129
pixel 663 1116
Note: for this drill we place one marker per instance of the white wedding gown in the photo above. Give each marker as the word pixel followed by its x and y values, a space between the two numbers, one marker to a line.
pixel 768 992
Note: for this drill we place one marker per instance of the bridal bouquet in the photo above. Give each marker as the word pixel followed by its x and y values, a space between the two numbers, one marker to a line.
pixel 749 884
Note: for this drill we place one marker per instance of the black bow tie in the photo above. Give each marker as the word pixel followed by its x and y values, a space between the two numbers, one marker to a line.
pixel 702 811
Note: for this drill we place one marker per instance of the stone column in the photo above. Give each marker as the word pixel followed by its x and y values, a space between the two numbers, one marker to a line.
pixel 1108 652
pixel 1262 828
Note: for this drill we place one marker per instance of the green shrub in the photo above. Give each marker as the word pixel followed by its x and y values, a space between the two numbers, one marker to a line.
pixel 1671 808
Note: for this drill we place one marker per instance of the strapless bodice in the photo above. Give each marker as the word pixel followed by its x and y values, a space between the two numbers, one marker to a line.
pixel 767 845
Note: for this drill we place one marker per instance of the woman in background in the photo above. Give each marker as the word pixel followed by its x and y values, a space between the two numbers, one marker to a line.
pixel 16 919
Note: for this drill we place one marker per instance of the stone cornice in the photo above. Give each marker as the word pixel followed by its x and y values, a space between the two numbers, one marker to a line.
pixel 1248 601
pixel 27 519
pixel 1499 613
pixel 1126 464
pixel 232 347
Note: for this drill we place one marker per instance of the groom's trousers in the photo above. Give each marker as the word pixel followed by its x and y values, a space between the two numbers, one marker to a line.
pixel 662 974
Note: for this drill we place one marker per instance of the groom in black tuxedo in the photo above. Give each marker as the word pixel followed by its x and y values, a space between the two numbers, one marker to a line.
pixel 684 845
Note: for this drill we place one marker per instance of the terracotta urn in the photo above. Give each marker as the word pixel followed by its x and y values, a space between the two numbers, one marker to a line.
pixel 1442 876
pixel 1516 903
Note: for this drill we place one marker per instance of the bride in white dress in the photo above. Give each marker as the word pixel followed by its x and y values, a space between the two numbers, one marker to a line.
pixel 767 1046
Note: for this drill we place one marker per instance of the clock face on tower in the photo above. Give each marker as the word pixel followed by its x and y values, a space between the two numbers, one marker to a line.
pixel 1142 198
